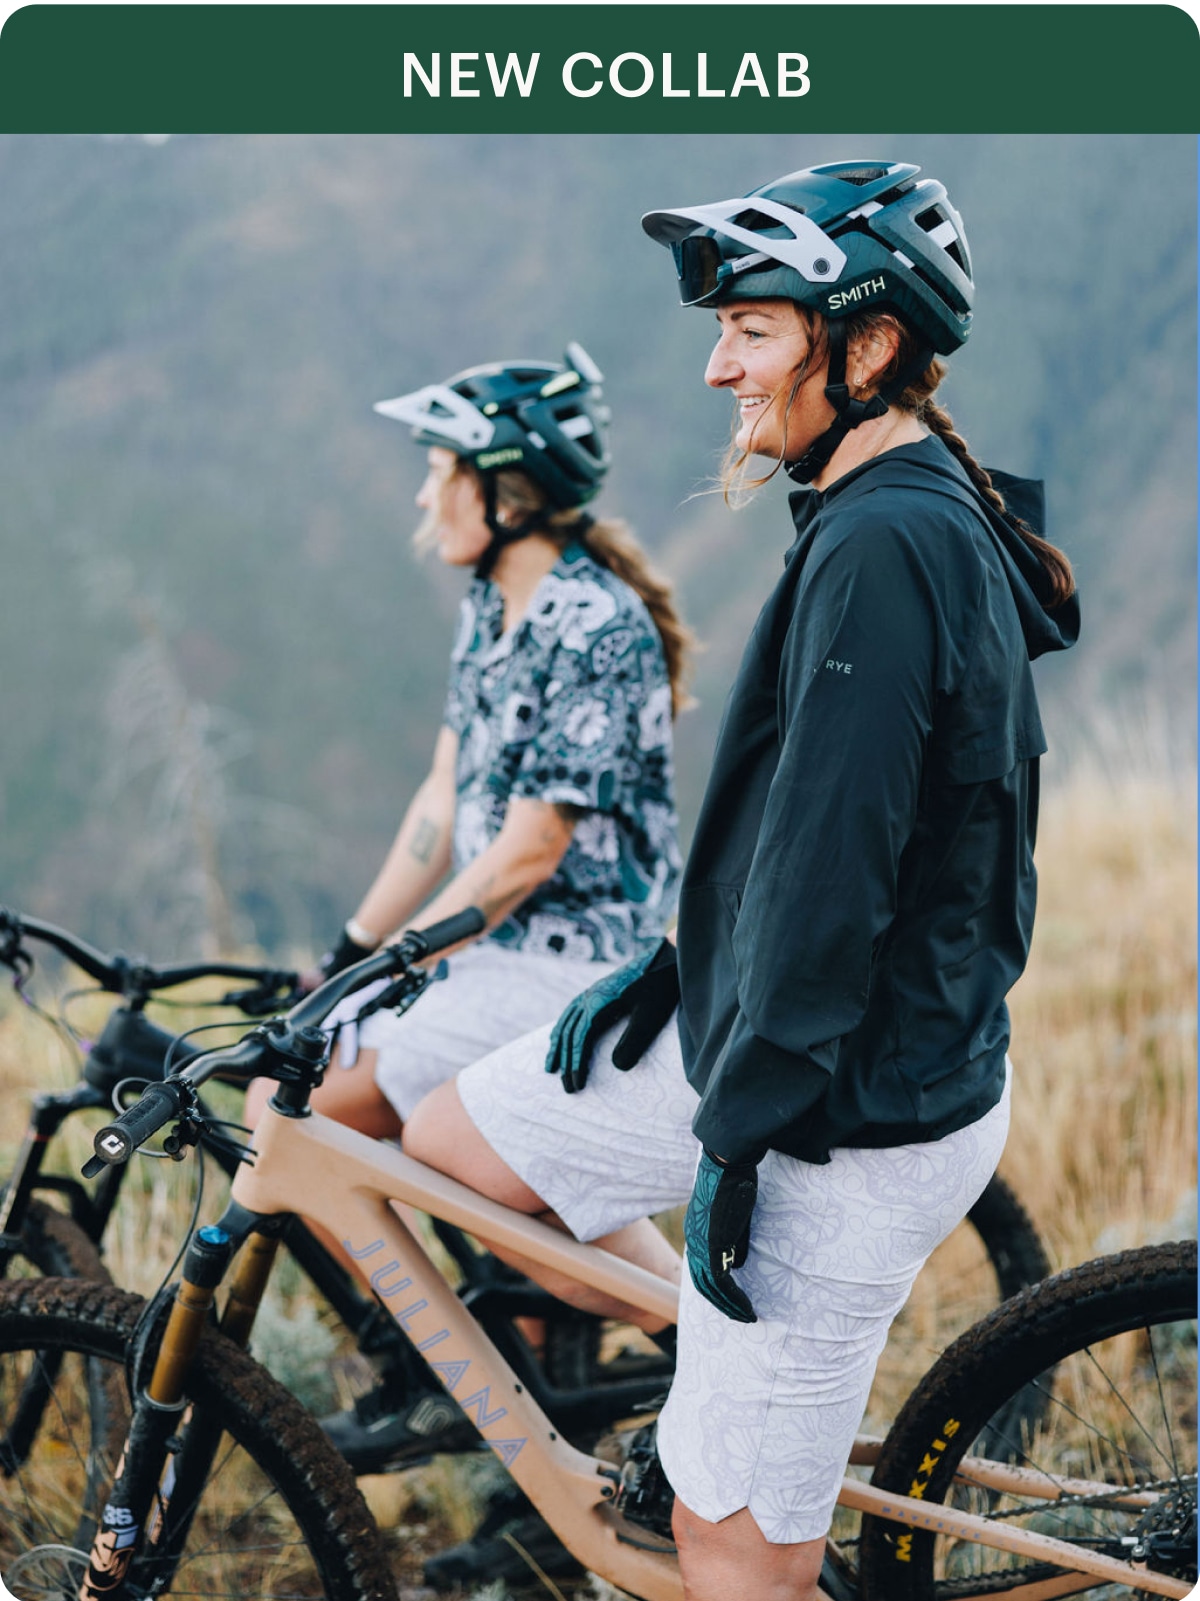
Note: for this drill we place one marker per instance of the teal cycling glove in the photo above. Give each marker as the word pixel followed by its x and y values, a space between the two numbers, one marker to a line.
pixel 716 1231
pixel 646 991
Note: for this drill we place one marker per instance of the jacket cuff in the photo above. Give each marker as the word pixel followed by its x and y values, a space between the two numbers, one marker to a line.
pixel 756 1093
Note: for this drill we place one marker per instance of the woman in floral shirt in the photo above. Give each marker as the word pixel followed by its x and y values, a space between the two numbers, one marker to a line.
pixel 550 801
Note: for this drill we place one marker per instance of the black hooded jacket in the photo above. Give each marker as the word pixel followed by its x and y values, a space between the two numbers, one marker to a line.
pixel 859 895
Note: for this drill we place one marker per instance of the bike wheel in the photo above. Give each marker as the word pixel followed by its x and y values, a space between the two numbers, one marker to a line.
pixel 278 1516
pixel 1088 1382
pixel 1013 1245
pixel 51 1245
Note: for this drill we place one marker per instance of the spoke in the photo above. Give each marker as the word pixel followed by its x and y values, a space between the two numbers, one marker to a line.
pixel 1064 1406
pixel 228 1532
pixel 1162 1406
pixel 35 1520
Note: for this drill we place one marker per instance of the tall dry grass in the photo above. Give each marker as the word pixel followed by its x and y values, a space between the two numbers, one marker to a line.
pixel 1103 1141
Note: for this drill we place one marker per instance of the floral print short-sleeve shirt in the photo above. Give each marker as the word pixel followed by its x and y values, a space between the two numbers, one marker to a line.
pixel 572 706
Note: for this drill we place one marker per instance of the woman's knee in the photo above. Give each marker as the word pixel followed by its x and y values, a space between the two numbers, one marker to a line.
pixel 733 1556
pixel 432 1127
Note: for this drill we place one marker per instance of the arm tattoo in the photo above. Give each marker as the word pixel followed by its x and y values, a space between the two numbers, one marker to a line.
pixel 424 840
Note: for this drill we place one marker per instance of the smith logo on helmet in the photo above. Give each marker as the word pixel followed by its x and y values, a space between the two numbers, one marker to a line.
pixel 857 292
pixel 498 458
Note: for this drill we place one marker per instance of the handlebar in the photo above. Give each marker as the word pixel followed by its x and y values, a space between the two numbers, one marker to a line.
pixel 129 977
pixel 116 1142
pixel 293 1040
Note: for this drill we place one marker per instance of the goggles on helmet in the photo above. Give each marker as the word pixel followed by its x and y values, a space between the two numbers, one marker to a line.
pixel 704 263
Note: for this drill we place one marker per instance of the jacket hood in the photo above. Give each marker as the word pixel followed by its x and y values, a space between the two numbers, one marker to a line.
pixel 1044 630
pixel 931 466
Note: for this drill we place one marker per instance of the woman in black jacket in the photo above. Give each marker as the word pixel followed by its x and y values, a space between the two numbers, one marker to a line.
pixel 859 895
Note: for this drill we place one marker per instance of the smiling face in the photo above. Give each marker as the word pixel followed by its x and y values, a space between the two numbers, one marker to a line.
pixel 761 347
pixel 453 504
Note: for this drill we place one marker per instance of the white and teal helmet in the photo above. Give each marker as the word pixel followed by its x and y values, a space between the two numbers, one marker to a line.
pixel 544 418
pixel 841 239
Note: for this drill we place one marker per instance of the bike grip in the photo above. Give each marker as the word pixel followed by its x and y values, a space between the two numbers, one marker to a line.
pixel 116 1142
pixel 462 925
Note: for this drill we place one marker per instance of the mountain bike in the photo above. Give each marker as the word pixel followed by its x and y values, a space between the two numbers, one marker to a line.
pixel 997 1252
pixel 567 1373
pixel 1070 1408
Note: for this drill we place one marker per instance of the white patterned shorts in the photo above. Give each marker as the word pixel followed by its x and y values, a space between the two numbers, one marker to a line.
pixel 760 1415
pixel 489 996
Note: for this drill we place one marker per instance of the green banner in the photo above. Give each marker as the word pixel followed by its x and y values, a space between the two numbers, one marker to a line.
pixel 594 68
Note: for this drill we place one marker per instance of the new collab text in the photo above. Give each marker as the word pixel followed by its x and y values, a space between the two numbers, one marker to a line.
pixel 471 73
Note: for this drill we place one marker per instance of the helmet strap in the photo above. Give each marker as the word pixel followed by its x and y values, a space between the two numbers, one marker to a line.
pixel 851 412
pixel 502 533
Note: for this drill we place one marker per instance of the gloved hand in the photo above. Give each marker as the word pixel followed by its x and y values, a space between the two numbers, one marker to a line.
pixel 645 990
pixel 716 1231
pixel 344 954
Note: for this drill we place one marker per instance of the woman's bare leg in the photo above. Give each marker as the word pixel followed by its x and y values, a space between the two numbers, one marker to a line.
pixel 441 1134
pixel 731 1558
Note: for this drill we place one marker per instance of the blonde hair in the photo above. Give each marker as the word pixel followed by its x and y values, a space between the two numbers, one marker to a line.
pixel 609 541
pixel 917 400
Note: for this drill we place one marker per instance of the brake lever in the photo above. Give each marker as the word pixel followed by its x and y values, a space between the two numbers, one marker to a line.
pixel 399 995
pixel 263 999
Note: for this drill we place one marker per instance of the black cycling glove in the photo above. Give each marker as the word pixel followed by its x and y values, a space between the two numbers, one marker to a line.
pixel 344 954
pixel 716 1231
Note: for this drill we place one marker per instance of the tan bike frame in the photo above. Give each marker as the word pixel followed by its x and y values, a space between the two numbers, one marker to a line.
pixel 347 1183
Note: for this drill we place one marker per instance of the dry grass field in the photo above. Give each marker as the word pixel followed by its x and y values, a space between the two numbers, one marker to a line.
pixel 1103 1144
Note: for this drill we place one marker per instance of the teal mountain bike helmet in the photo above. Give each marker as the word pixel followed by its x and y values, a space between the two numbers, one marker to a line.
pixel 545 419
pixel 843 238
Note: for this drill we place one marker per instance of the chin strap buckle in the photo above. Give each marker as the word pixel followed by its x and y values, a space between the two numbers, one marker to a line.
pixel 854 412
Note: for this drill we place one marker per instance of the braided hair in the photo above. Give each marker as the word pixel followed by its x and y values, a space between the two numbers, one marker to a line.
pixel 917 400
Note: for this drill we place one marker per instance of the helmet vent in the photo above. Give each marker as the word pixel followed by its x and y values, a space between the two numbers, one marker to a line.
pixel 578 427
pixel 942 231
pixel 760 222
pixel 929 281
pixel 856 175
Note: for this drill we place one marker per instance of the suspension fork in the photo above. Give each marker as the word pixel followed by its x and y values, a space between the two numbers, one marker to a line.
pixel 255 1261
pixel 200 1435
pixel 146 1475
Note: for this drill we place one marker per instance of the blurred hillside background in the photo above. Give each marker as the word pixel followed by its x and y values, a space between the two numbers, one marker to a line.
pixel 221 668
